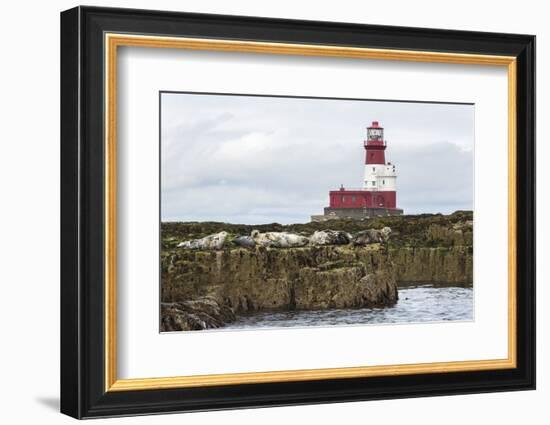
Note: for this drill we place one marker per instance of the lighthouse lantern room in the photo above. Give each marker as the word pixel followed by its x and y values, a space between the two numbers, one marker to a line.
pixel 379 175
pixel 378 194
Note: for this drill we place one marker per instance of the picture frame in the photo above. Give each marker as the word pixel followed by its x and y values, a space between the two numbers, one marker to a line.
pixel 90 40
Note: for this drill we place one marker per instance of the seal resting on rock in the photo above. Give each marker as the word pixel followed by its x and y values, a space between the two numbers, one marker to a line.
pixel 330 237
pixel 278 239
pixel 370 236
pixel 245 242
pixel 215 241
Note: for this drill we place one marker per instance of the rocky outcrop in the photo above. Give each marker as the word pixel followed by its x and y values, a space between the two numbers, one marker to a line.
pixel 281 279
pixel 200 314
pixel 369 236
pixel 318 271
pixel 441 265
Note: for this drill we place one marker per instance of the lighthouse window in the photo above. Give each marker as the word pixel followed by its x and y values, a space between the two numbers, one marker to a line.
pixel 373 169
pixel 383 181
pixel 342 199
pixel 353 199
pixel 373 183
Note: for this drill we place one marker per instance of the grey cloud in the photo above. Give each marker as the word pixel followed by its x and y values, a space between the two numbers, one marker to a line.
pixel 257 159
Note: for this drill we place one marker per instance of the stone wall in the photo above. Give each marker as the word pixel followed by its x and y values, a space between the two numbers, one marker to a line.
pixel 355 213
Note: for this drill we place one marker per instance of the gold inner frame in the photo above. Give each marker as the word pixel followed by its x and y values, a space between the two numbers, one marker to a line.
pixel 113 41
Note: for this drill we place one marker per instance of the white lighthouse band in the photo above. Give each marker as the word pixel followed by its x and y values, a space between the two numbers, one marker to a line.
pixel 380 177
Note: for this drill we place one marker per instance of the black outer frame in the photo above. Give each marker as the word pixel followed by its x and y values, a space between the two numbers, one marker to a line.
pixel 82 215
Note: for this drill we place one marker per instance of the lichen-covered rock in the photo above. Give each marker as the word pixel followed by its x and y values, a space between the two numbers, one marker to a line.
pixel 407 230
pixel 244 276
pixel 378 289
pixel 278 239
pixel 344 287
pixel 200 314
pixel 436 265
pixel 446 236
pixel 330 237
pixel 215 241
pixel 310 277
pixel 370 236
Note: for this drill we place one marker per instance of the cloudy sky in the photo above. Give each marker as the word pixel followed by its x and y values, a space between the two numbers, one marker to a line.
pixel 252 160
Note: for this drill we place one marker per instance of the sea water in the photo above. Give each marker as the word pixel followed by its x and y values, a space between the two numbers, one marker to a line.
pixel 416 304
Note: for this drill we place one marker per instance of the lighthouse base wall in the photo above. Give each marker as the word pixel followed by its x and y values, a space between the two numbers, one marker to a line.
pixel 355 213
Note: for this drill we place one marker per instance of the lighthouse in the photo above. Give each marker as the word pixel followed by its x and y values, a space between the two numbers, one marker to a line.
pixel 379 175
pixel 378 194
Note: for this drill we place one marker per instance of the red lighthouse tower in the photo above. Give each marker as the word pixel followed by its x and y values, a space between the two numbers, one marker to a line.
pixel 378 194
pixel 375 145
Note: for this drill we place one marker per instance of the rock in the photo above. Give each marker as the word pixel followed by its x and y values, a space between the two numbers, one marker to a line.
pixel 278 239
pixel 439 265
pixel 200 314
pixel 429 248
pixel 247 280
pixel 371 236
pixel 215 241
pixel 330 237
pixel 379 289
pixel 351 286
pixel 458 234
pixel 245 242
